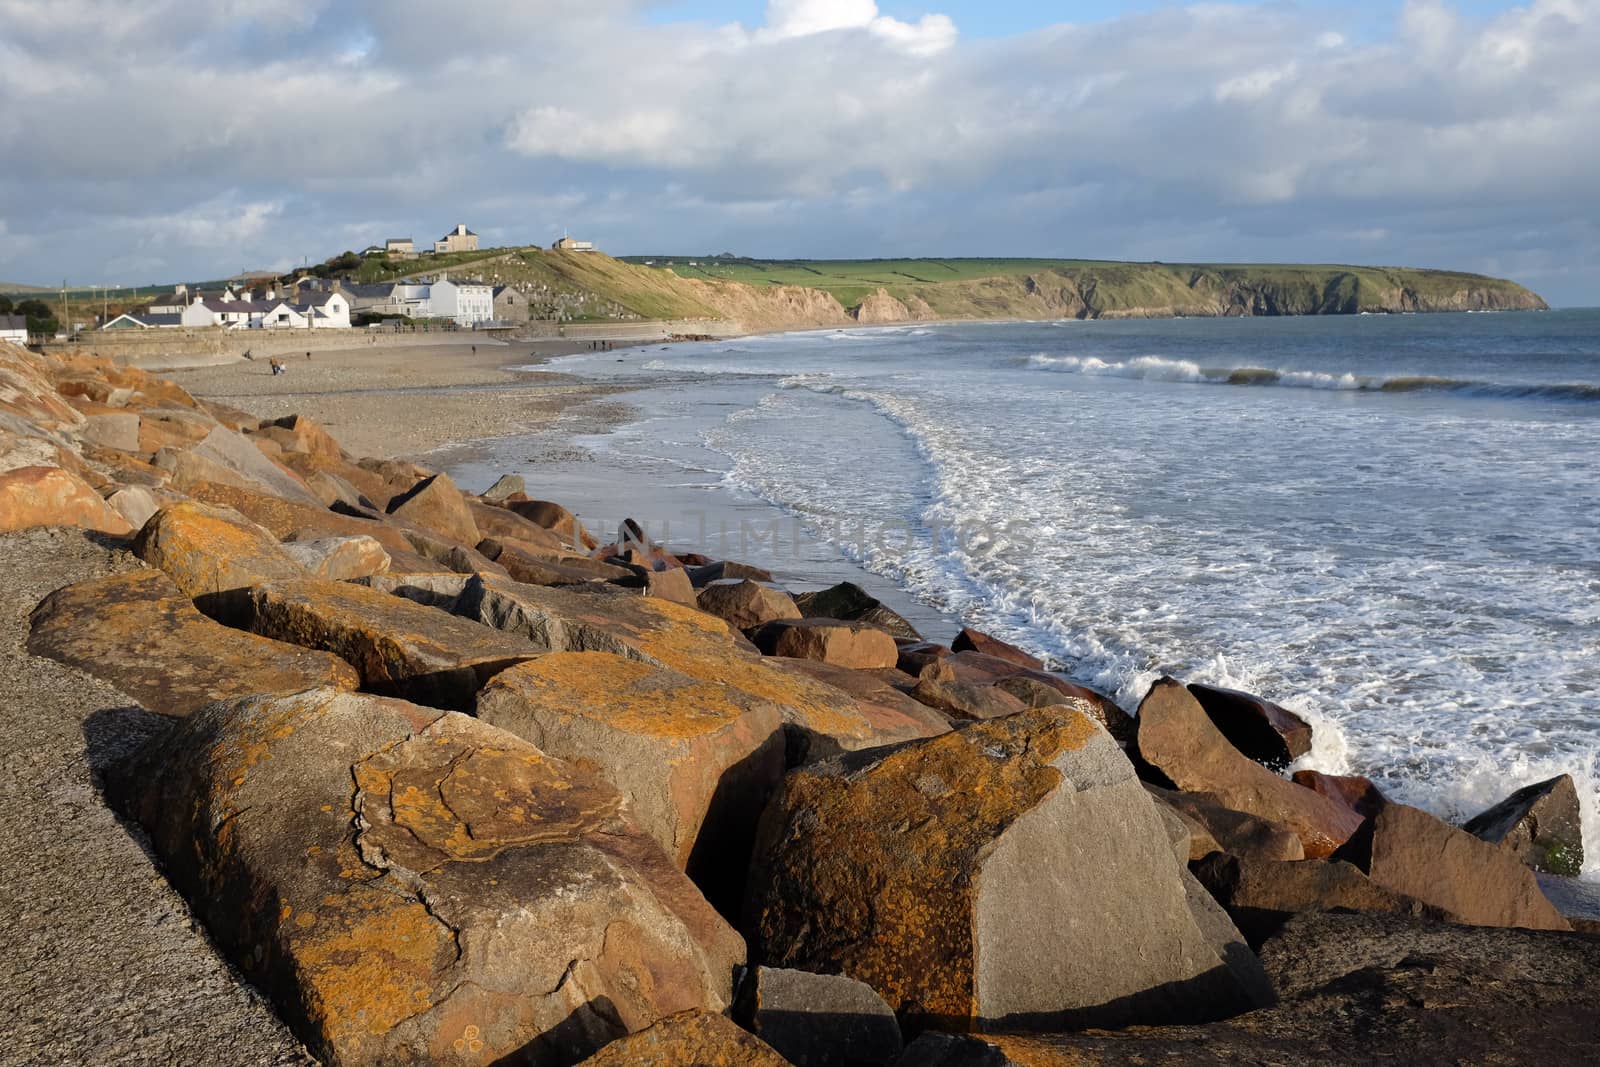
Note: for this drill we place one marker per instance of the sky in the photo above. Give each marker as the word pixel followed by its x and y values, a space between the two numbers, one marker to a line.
pixel 152 141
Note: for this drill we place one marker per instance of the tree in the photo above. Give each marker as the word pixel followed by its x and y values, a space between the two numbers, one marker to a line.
pixel 5 305
pixel 37 312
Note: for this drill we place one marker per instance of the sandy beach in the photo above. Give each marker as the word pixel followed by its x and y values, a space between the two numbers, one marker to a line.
pixel 404 401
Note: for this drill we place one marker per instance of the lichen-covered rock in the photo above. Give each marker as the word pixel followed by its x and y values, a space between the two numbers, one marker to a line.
pixel 288 519
pixel 1271 735
pixel 1470 881
pixel 111 429
pixel 1540 824
pixel 1177 738
pixel 139 632
pixel 416 886
pixel 696 760
pixel 532 565
pixel 1011 873
pixel 665 634
pixel 400 648
pixel 844 644
pixel 881 697
pixel 213 553
pixel 940 688
pixel 744 604
pixel 436 504
pixel 689 1039
pixel 338 558
pixel 51 496
pixel 820 1020
pixel 234 452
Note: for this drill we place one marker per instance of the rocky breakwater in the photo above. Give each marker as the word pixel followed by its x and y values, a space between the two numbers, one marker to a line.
pixel 452 781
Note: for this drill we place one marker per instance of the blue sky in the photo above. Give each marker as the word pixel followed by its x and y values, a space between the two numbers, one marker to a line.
pixel 1442 133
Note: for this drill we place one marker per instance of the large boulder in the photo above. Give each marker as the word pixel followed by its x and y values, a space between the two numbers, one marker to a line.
pixel 339 558
pixel 51 496
pixel 416 886
pixel 820 719
pixel 436 504
pixel 849 602
pixel 688 1039
pixel 213 554
pixel 881 697
pixel 289 520
pixel 1012 873
pixel 843 644
pixel 726 570
pixel 1268 733
pixel 696 760
pixel 142 634
pixel 819 1020
pixel 505 486
pixel 1360 795
pixel 970 640
pixel 555 518
pixel 1540 824
pixel 539 568
pixel 1178 739
pixel 1470 881
pixel 744 604
pixel 400 648
pixel 235 453
pixel 500 523
pixel 1234 832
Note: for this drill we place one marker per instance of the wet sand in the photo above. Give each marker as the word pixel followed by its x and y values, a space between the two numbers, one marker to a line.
pixel 404 401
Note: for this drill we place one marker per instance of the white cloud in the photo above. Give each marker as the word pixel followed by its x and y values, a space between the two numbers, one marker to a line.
pixel 787 19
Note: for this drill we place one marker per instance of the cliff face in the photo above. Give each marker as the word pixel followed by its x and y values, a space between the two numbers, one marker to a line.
pixel 775 307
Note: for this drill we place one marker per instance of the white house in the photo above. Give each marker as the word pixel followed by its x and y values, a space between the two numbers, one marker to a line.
pixel 326 311
pixel 14 328
pixel 465 302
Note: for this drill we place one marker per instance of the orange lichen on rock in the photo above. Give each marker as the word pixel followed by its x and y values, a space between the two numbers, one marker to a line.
pixel 689 1039
pixel 51 496
pixel 208 550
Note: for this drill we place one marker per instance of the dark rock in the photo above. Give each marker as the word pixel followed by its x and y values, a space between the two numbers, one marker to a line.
pixel 504 486
pixel 970 640
pixel 725 570
pixel 744 604
pixel 1358 794
pixel 1540 824
pixel 555 518
pixel 818 1020
pixel 849 602
pixel 924 870
pixel 1271 735
pixel 915 655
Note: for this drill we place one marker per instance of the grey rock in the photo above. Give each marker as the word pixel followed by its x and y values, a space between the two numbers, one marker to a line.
pixel 818 1020
pixel 1540 824
pixel 506 485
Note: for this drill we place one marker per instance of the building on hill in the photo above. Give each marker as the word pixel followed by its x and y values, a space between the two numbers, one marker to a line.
pixel 510 305
pixel 14 328
pixel 403 247
pixel 459 239
pixel 467 303
pixel 570 244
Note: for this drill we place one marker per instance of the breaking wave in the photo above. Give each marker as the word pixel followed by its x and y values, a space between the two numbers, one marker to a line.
pixel 1162 369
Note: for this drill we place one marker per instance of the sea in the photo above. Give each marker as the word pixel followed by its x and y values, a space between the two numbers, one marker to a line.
pixel 1388 523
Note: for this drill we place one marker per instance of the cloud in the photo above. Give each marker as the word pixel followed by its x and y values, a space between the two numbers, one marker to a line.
pixel 211 138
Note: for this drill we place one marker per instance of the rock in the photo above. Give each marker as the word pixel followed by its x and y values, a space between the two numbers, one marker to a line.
pixel 821 1020
pixel 844 644
pixel 213 554
pixel 436 504
pixel 1271 735
pixel 296 433
pixel 456 556
pixel 434 589
pixel 139 632
pixel 1260 895
pixel 849 602
pixel 504 486
pixel 333 490
pixel 1036 692
pixel 1358 794
pixel 135 503
pixel 688 1039
pixel 1470 881
pixel 50 496
pixel 695 760
pixel 555 518
pixel 1232 831
pixel 537 569
pixel 726 570
pixel 118 429
pixel 338 558
pixel 1013 872
pixel 879 695
pixel 915 655
pixel 744 604
pixel 399 647
pixel 970 640
pixel 1540 824
pixel 821 720
pixel 287 519
pixel 235 453
pixel 1177 738
pixel 963 700
pixel 416 886
pixel 504 525
pixel 670 584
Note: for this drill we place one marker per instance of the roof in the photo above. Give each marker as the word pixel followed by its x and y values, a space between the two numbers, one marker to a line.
pixel 374 290
pixel 235 306
pixel 317 299
pixel 458 230
pixel 13 322
pixel 397 241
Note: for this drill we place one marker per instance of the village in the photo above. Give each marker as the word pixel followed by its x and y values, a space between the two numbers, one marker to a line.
pixel 307 301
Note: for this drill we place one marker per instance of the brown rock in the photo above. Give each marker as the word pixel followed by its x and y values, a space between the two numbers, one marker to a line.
pixel 844 644
pixel 744 604
pixel 135 503
pixel 436 504
pixel 139 632
pixel 913 656
pixel 235 453
pixel 555 518
pixel 963 700
pixel 50 496
pixel 1231 831
pixel 455 555
pixel 881 697
pixel 725 570
pixel 113 429
pixel 696 760
pixel 688 1039
pixel 537 568
pixel 286 519
pixel 213 554
pixel 296 433
pixel 1540 824
pixel 399 647
pixel 339 558
pixel 670 584
pixel 1042 692
pixel 1176 737
pixel 1012 873
pixel 848 602
pixel 1470 881
pixel 505 525
pixel 970 640
pixel 416 886
pixel 1271 735
pixel 1358 794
